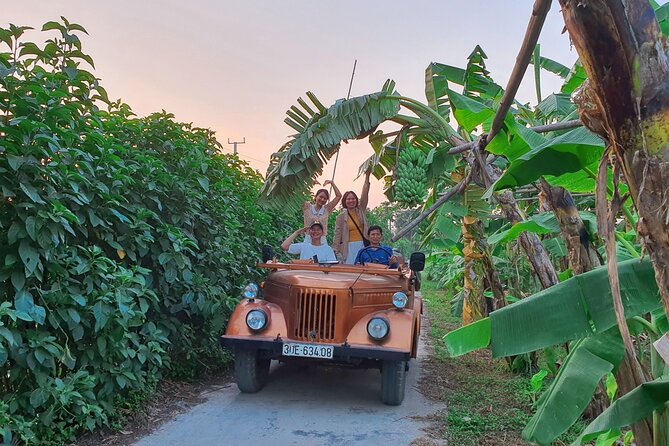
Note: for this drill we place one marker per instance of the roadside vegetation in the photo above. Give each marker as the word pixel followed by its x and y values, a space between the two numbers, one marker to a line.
pixel 125 241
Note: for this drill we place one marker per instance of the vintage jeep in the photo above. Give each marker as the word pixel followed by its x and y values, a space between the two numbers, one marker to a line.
pixel 361 316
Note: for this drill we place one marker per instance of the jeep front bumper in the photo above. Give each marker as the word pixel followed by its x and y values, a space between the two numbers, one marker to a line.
pixel 342 352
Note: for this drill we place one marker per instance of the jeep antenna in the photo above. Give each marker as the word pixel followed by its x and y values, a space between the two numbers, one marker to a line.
pixel 348 95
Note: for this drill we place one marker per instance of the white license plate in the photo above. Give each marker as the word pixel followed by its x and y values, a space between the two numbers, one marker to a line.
pixel 308 350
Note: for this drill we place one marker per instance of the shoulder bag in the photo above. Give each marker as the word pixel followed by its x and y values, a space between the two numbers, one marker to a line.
pixel 365 240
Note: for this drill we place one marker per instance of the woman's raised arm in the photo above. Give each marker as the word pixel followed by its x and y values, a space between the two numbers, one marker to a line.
pixel 333 203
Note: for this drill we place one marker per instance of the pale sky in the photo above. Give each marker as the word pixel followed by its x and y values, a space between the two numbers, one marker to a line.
pixel 236 67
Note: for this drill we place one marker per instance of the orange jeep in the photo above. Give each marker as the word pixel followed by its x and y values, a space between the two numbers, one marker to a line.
pixel 362 316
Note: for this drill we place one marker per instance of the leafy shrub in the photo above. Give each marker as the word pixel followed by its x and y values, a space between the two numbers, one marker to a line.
pixel 124 242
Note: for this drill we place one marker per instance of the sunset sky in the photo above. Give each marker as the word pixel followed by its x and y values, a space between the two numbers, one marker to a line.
pixel 236 67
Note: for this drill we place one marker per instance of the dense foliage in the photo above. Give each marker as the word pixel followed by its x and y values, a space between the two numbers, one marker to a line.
pixel 124 242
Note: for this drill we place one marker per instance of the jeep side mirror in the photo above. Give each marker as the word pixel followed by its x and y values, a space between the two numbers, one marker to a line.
pixel 417 261
pixel 267 253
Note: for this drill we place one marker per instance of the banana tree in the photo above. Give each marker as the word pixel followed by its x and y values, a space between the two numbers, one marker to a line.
pixel 627 106
pixel 473 109
pixel 473 304
pixel 536 161
pixel 631 123
pixel 535 158
pixel 579 310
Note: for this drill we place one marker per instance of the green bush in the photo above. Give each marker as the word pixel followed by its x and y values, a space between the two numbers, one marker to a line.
pixel 124 242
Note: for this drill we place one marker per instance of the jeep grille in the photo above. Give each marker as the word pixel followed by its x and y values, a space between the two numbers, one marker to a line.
pixel 315 315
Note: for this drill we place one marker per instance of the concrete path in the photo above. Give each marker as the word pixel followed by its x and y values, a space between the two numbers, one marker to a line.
pixel 303 406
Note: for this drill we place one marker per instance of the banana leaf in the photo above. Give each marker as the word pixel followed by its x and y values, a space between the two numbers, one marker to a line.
pixel 474 202
pixel 468 338
pixel 555 247
pixel 300 161
pixel 569 152
pixel 660 320
pixel 514 141
pixel 448 228
pixel 575 182
pixel 469 112
pixel 562 404
pixel 439 162
pixel 575 79
pixel 436 83
pixel 628 409
pixel 552 66
pixel 478 82
pixel 576 308
pixel 662 14
pixel 544 223
pixel 556 105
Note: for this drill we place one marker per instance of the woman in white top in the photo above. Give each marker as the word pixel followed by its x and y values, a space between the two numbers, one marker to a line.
pixel 320 209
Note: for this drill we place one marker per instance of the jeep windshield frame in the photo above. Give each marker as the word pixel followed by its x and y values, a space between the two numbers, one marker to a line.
pixel 357 269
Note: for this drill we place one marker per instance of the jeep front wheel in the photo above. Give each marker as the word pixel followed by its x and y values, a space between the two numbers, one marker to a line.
pixel 393 381
pixel 251 370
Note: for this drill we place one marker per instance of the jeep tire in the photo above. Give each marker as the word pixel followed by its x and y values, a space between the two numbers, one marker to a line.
pixel 251 370
pixel 393 381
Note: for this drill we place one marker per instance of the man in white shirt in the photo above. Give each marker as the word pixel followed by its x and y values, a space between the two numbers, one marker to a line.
pixel 323 252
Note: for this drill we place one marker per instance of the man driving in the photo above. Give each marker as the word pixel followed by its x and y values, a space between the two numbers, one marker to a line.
pixel 316 249
pixel 376 252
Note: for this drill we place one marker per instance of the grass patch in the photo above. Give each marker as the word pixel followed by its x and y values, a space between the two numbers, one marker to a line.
pixel 441 321
pixel 487 404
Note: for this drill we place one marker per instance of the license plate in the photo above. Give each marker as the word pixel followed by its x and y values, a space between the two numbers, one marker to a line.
pixel 308 350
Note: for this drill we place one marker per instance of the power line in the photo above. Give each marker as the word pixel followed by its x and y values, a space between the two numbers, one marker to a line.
pixel 255 159
pixel 246 157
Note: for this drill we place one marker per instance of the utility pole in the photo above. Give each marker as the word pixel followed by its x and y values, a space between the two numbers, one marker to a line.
pixel 234 144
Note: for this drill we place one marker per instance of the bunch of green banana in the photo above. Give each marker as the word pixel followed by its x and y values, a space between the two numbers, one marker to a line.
pixel 411 184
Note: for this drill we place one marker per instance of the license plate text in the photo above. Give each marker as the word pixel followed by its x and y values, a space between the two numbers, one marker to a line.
pixel 308 350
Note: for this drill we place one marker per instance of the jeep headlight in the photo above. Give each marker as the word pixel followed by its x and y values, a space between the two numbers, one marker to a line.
pixel 250 291
pixel 400 300
pixel 378 328
pixel 256 320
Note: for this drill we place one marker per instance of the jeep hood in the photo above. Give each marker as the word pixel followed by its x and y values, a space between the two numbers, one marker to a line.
pixel 335 280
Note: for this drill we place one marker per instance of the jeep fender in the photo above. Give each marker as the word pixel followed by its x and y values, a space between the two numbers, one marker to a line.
pixel 276 323
pixel 400 336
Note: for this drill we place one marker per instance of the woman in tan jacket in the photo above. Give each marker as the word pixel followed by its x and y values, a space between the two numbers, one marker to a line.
pixel 351 224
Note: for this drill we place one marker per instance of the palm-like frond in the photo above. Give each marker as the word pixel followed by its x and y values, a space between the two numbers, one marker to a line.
pixel 320 132
pixel 475 80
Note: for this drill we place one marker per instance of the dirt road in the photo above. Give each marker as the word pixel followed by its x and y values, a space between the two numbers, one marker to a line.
pixel 304 406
